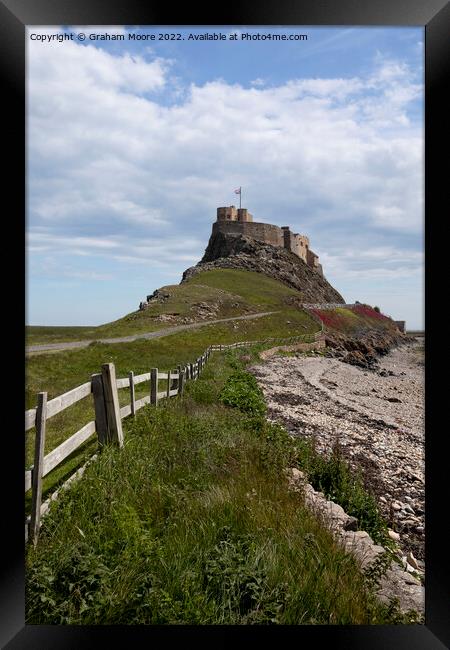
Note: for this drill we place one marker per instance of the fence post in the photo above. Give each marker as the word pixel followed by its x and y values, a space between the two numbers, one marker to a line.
pixel 101 422
pixel 132 393
pixel 154 386
pixel 112 403
pixel 168 383
pixel 36 498
pixel 181 383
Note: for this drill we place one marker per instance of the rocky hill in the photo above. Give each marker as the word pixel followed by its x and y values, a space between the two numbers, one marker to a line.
pixel 240 252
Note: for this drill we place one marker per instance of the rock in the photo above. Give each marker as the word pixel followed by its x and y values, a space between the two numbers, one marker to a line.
pixel 297 474
pixel 351 523
pixel 409 523
pixel 239 252
pixel 393 535
pixel 412 560
pixel 159 295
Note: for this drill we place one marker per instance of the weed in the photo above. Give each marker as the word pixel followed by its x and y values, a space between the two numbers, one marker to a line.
pixel 243 392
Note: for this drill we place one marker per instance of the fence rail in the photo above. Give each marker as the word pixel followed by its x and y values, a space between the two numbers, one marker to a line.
pixel 104 388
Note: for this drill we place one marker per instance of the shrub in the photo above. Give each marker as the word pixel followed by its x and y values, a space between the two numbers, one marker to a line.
pixel 241 391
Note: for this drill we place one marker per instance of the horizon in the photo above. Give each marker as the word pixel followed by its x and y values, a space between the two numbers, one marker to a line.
pixel 132 145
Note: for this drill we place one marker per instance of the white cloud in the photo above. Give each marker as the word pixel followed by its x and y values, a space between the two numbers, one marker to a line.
pixel 117 172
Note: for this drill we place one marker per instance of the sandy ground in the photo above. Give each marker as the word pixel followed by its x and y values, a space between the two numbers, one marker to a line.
pixel 377 417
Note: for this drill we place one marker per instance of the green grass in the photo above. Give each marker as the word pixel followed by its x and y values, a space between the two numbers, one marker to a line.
pixel 232 292
pixel 192 522
pixel 58 373
pixel 255 288
pixel 54 334
pixel 333 476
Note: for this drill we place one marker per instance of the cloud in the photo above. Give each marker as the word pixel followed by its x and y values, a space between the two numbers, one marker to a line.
pixel 119 171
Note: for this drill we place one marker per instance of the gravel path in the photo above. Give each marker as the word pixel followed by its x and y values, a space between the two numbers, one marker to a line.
pixel 377 417
pixel 56 347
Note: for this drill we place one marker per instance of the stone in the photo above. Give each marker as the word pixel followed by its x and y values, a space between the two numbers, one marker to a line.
pixel 393 535
pixel 351 523
pixel 412 560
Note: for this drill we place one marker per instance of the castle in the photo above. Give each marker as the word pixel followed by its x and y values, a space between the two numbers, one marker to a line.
pixel 239 221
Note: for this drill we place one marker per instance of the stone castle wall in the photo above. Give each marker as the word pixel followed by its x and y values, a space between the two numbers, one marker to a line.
pixel 264 232
pixel 232 221
pixel 239 221
pixel 298 244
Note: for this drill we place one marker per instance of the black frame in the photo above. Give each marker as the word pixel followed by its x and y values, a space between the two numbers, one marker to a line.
pixel 434 15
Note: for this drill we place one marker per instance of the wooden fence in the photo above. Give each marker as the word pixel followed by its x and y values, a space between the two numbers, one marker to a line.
pixel 107 425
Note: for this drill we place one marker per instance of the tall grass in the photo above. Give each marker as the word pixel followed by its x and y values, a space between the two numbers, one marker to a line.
pixel 57 373
pixel 193 522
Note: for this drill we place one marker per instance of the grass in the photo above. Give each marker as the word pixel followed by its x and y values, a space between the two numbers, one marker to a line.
pixel 58 373
pixel 192 522
pixel 354 320
pixel 333 476
pixel 229 291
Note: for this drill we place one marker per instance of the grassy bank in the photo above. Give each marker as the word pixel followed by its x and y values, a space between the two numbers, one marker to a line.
pixel 354 320
pixel 57 373
pixel 227 292
pixel 192 522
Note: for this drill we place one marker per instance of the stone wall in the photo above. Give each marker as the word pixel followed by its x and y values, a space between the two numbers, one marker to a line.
pixel 295 243
pixel 327 305
pixel 264 232
pixel 239 222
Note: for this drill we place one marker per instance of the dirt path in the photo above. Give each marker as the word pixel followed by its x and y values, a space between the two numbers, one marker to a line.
pixel 56 347
pixel 377 417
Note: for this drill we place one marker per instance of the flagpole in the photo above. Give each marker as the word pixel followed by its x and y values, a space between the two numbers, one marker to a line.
pixel 240 197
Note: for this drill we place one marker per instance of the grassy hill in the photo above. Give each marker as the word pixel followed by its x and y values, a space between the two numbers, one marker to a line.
pixel 216 294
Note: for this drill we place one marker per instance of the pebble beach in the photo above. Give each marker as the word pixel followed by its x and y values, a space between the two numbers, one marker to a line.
pixel 377 418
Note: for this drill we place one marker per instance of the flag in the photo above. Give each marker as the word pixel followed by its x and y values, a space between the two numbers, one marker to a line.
pixel 238 191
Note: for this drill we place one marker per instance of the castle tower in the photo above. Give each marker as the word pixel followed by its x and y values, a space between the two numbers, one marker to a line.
pixel 244 215
pixel 227 214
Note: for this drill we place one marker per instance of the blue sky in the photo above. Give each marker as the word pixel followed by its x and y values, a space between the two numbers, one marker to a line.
pixel 131 146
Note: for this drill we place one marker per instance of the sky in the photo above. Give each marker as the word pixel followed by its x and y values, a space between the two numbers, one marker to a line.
pixel 132 145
